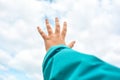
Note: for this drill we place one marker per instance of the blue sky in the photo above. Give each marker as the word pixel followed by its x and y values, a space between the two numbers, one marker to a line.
pixel 94 24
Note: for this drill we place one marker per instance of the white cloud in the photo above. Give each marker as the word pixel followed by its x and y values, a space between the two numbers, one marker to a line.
pixel 9 77
pixel 3 68
pixel 18 21
pixel 116 2
pixel 112 58
pixel 4 57
pixel 93 23
pixel 35 76
pixel 30 62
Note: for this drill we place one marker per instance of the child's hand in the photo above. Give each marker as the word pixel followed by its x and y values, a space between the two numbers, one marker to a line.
pixel 54 38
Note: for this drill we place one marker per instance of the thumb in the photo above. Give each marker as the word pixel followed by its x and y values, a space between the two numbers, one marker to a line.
pixel 71 44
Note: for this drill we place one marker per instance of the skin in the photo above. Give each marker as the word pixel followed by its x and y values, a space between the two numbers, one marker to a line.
pixel 54 38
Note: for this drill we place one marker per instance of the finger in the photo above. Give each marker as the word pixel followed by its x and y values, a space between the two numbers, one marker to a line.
pixel 64 30
pixel 44 36
pixel 71 44
pixel 57 26
pixel 49 29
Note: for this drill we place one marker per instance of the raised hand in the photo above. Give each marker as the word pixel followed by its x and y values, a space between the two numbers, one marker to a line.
pixel 54 38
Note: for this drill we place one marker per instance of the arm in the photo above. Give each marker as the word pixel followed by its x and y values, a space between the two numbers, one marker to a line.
pixel 63 63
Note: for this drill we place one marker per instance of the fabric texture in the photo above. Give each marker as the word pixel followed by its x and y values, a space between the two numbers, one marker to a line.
pixel 64 63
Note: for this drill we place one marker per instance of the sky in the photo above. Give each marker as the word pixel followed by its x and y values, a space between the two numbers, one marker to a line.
pixel 93 24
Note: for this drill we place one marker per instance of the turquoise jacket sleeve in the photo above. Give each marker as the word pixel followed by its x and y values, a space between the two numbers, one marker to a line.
pixel 64 63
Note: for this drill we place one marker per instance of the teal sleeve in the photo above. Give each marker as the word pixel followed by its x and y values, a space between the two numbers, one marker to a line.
pixel 64 63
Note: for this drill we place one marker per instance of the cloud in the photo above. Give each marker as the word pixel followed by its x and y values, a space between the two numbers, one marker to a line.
pixel 18 21
pixel 9 77
pixel 29 62
pixel 4 57
pixel 94 24
pixel 3 68
pixel 35 76
pixel 26 59
pixel 111 56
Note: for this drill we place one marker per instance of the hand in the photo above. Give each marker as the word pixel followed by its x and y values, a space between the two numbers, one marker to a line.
pixel 54 38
